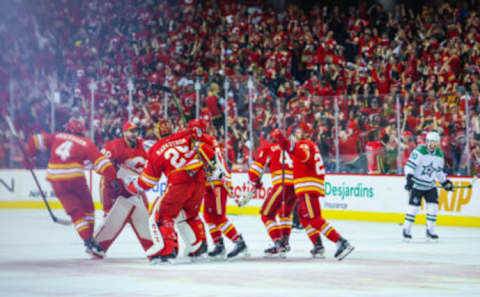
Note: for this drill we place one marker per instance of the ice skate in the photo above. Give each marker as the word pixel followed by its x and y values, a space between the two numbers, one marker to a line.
pixel 318 249
pixel 198 255
pixel 240 249
pixel 93 248
pixel 278 250
pixel 431 236
pixel 218 251
pixel 164 259
pixel 406 236
pixel 344 249
pixel 285 243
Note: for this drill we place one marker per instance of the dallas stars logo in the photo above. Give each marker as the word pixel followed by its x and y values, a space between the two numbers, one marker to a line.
pixel 428 169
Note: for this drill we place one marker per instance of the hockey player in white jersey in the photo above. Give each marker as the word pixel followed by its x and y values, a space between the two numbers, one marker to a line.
pixel 424 167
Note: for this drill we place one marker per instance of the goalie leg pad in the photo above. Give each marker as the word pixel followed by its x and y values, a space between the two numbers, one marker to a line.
pixel 139 221
pixel 164 239
pixel 192 232
pixel 115 221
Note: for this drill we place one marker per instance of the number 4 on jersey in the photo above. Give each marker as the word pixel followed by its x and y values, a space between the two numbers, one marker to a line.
pixel 63 150
pixel 288 160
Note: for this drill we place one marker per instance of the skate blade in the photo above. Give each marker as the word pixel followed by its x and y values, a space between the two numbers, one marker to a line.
pixel 95 256
pixel 242 255
pixel 217 258
pixel 431 240
pixel 407 240
pixel 275 256
pixel 160 262
pixel 319 257
pixel 200 259
pixel 345 253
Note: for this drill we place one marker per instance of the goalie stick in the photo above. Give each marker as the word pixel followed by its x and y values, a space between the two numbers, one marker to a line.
pixel 19 143
pixel 250 194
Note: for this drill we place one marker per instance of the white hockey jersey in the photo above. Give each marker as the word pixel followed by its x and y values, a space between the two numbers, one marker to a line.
pixel 426 167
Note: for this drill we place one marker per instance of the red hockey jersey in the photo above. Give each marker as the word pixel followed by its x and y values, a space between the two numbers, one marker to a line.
pixel 69 155
pixel 273 152
pixel 177 158
pixel 124 157
pixel 309 172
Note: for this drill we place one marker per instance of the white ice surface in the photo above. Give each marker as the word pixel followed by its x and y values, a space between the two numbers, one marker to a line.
pixel 40 258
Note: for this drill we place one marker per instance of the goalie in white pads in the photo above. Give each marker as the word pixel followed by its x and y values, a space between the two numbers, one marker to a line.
pixel 423 168
pixel 128 154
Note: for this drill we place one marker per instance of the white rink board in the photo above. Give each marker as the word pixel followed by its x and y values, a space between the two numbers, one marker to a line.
pixel 381 194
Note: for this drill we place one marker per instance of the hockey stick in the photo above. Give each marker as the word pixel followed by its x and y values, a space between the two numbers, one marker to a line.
pixel 19 143
pixel 469 186
pixel 250 194
pixel 206 160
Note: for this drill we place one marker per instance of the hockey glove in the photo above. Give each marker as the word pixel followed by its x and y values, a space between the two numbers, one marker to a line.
pixel 409 185
pixel 448 185
pixel 116 185
pixel 283 141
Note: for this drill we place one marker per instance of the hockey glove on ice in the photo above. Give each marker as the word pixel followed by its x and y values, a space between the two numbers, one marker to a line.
pixel 409 185
pixel 448 185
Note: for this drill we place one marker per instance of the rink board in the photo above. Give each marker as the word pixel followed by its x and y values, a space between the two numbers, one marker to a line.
pixel 380 198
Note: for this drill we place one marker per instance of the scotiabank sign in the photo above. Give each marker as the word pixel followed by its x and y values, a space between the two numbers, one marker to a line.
pixel 342 192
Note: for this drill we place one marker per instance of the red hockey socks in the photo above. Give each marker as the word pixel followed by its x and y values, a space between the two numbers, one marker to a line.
pixel 273 229
pixel 312 233
pixel 229 230
pixel 327 230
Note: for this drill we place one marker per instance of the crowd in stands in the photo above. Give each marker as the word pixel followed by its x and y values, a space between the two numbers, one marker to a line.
pixel 302 62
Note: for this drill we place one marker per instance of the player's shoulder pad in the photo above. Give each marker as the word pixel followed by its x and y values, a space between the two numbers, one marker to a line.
pixel 422 149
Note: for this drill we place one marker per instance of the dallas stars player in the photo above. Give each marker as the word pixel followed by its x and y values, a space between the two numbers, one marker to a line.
pixel 423 168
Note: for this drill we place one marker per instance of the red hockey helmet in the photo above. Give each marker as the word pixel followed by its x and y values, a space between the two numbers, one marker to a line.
pixel 306 128
pixel 75 126
pixel 163 128
pixel 198 123
pixel 129 126
pixel 275 134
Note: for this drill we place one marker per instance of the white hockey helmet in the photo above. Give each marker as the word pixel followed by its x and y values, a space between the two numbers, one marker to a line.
pixel 433 136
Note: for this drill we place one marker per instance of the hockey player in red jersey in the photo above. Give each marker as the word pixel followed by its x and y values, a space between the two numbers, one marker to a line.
pixel 68 155
pixel 214 211
pixel 281 200
pixel 181 159
pixel 128 155
pixel 309 183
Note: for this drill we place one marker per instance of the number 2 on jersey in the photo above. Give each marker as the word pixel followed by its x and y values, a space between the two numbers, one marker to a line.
pixel 173 154
pixel 319 164
pixel 63 150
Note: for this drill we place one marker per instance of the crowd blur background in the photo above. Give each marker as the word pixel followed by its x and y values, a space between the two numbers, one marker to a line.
pixel 370 76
